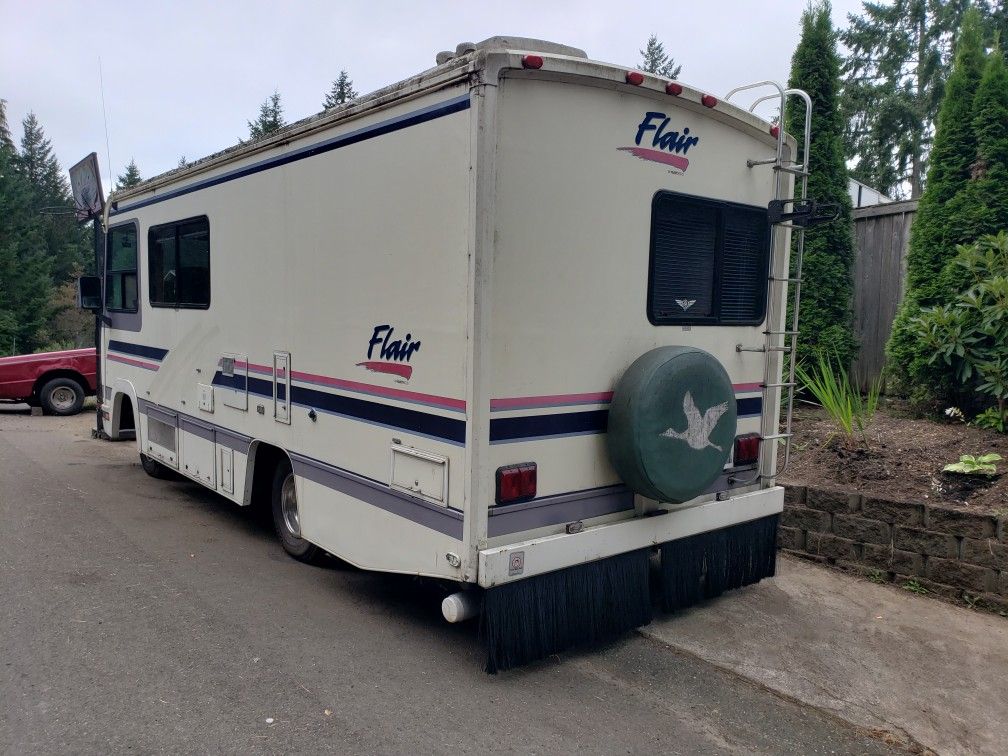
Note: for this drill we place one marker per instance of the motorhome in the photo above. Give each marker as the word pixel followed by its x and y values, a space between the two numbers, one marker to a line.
pixel 516 324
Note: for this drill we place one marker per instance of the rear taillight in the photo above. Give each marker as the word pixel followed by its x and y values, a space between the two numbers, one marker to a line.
pixel 516 483
pixel 747 449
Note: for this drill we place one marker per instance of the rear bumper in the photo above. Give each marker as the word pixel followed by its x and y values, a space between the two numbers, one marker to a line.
pixel 517 561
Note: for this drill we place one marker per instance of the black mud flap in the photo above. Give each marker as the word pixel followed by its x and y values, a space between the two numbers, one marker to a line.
pixel 708 564
pixel 591 603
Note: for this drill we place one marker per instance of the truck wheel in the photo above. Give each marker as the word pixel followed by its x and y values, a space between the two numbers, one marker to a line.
pixel 287 516
pixel 61 396
pixel 155 469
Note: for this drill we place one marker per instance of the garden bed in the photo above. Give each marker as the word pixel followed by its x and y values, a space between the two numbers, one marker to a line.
pixel 903 461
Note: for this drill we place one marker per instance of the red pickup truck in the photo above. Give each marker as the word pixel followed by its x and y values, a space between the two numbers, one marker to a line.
pixel 55 381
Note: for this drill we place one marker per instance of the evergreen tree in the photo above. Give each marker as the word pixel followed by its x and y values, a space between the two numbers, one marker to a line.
pixel 342 91
pixel 827 288
pixel 39 165
pixel 25 285
pixel 5 135
pixel 655 60
pixel 130 178
pixel 930 244
pixel 893 86
pixel 270 118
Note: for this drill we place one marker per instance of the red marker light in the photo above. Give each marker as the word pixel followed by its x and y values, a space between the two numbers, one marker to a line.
pixel 634 77
pixel 709 101
pixel 747 449
pixel 775 132
pixel 532 61
pixel 516 483
pixel 673 88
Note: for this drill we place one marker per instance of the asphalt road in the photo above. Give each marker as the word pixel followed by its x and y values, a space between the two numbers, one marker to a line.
pixel 153 616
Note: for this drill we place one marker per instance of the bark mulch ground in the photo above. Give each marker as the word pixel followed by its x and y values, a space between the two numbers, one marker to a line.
pixel 902 460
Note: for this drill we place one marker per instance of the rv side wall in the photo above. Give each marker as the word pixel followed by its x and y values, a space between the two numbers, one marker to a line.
pixel 341 279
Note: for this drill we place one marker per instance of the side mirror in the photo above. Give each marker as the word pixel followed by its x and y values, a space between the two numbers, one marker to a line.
pixel 89 293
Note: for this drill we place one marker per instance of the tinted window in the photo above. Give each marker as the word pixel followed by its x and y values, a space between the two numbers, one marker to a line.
pixel 121 269
pixel 180 264
pixel 708 262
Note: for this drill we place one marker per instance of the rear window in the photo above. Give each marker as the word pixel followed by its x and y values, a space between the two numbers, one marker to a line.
pixel 709 262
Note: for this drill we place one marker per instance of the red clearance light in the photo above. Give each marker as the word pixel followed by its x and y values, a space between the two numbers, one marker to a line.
pixel 532 61
pixel 516 483
pixel 634 77
pixel 775 132
pixel 709 101
pixel 747 449
pixel 673 89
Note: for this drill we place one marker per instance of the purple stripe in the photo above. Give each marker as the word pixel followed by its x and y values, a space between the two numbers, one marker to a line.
pixel 441 519
pixel 562 508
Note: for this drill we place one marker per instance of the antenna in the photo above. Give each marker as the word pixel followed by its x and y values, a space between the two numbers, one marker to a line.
pixel 108 149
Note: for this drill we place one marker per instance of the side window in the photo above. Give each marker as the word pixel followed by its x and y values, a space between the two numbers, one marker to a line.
pixel 709 262
pixel 121 269
pixel 180 264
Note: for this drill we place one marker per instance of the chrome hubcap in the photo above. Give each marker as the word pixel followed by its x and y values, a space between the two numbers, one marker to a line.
pixel 62 398
pixel 289 507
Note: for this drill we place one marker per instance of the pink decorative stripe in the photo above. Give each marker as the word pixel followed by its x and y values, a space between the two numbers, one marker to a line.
pixel 553 400
pixel 656 156
pixel 458 405
pixel 131 361
pixel 566 400
pixel 431 400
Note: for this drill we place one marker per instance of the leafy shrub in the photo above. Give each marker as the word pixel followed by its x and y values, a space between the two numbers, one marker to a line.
pixel 971 334
pixel 831 386
pixel 971 465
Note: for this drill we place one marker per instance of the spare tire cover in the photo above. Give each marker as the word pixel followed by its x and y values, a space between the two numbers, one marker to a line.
pixel 672 423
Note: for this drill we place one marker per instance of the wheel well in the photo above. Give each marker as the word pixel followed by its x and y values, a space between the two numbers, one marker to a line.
pixel 263 461
pixel 73 375
pixel 127 420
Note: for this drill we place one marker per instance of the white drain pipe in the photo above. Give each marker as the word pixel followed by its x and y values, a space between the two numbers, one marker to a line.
pixel 461 606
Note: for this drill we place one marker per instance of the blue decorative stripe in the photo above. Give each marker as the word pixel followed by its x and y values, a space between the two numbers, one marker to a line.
pixel 530 427
pixel 448 429
pixel 139 350
pixel 455 105
pixel 505 429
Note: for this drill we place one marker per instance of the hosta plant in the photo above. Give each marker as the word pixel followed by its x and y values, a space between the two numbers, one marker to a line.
pixel 971 465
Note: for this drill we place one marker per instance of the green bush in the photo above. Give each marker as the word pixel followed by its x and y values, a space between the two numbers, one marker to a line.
pixel 970 335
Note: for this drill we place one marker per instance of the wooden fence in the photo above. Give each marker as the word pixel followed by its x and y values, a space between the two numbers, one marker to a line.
pixel 882 235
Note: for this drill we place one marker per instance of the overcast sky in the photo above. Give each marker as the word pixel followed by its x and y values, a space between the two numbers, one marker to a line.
pixel 184 77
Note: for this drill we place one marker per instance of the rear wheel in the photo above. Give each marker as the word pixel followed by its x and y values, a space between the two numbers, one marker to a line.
pixel 287 516
pixel 61 396
pixel 155 469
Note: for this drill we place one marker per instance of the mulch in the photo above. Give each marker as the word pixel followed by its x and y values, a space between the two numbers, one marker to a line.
pixel 903 459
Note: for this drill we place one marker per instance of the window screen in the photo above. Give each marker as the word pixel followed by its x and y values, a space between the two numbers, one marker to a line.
pixel 121 269
pixel 708 262
pixel 180 264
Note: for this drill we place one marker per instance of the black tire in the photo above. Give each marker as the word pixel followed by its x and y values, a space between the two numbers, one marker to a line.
pixel 61 396
pixel 155 469
pixel 287 524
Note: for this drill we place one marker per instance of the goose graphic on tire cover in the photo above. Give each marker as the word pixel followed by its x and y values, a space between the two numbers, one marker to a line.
pixel 672 423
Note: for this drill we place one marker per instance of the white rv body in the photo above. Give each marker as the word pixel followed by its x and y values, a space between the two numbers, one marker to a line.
pixel 411 292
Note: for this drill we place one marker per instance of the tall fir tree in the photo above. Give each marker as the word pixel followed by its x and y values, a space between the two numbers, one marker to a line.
pixel 655 60
pixel 894 78
pixel 341 92
pixel 270 118
pixel 930 244
pixel 130 177
pixel 827 288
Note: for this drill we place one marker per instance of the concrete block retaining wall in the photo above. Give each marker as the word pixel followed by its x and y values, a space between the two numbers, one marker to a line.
pixel 950 552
